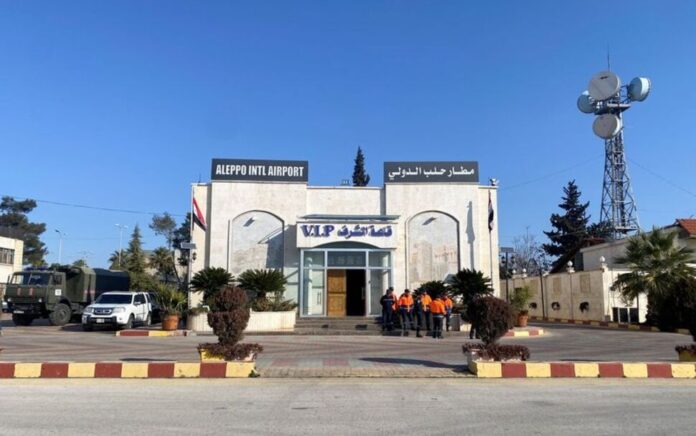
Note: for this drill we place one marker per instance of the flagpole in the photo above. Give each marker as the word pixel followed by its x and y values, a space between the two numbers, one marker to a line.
pixel 491 225
pixel 190 252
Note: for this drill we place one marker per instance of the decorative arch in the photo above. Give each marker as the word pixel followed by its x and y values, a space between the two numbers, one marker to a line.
pixel 257 241
pixel 432 246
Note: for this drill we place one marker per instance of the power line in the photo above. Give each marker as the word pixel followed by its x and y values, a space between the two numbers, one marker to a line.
pixel 549 175
pixel 82 206
pixel 663 178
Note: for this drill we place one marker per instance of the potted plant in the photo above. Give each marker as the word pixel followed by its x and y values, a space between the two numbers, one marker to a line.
pixel 229 318
pixel 491 317
pixel 270 311
pixel 208 283
pixel 172 302
pixel 519 301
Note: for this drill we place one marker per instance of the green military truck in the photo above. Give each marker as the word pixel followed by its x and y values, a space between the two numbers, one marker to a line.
pixel 59 294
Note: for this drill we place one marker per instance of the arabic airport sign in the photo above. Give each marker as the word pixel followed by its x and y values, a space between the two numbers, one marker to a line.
pixel 313 234
pixel 260 170
pixel 431 172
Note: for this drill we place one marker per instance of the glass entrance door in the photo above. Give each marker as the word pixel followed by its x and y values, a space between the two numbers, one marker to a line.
pixel 344 282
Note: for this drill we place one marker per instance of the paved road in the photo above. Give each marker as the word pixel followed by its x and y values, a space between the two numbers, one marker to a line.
pixel 343 407
pixel 44 342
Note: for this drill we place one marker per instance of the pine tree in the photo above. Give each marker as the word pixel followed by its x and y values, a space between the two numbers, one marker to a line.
pixel 14 223
pixel 360 177
pixel 135 260
pixel 569 229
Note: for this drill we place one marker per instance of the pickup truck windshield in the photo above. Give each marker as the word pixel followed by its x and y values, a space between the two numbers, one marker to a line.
pixel 114 299
pixel 37 279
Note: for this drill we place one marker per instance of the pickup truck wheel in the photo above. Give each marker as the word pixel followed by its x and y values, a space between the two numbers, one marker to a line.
pixel 22 320
pixel 148 321
pixel 129 323
pixel 61 315
pixel 87 327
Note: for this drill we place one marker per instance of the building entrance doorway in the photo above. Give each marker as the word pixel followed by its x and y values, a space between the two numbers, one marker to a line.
pixel 346 292
pixel 339 282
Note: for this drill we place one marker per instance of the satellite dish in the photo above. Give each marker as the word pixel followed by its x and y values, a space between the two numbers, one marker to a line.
pixel 639 88
pixel 585 103
pixel 607 126
pixel 604 85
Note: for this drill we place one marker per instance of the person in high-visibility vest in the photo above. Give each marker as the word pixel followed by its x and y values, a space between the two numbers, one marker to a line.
pixel 437 309
pixel 405 305
pixel 448 309
pixel 387 301
pixel 425 301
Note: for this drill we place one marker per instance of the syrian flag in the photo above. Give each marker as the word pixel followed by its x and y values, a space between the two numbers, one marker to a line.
pixel 491 213
pixel 198 216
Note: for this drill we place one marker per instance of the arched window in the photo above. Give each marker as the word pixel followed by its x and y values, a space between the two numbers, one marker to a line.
pixel 257 241
pixel 433 247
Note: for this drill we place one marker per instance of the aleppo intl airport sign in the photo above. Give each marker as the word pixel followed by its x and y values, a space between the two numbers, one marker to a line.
pixel 431 172
pixel 260 170
pixel 378 235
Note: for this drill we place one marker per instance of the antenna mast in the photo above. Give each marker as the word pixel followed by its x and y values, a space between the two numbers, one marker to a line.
pixel 608 100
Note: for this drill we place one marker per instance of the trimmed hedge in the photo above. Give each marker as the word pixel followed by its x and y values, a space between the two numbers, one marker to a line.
pixel 491 317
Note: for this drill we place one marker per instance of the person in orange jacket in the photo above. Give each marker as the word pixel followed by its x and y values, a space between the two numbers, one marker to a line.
pixel 405 305
pixel 437 309
pixel 448 309
pixel 425 301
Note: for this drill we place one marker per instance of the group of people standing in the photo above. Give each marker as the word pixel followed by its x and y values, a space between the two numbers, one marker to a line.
pixel 417 311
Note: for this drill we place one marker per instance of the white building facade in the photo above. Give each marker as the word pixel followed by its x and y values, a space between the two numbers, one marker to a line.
pixel 340 247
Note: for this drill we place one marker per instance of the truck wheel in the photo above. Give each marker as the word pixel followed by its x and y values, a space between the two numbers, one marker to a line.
pixel 87 327
pixel 129 323
pixel 22 320
pixel 148 320
pixel 61 315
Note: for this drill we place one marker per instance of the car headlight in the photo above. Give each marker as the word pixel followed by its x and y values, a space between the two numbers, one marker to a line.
pixel 119 310
pixel 89 309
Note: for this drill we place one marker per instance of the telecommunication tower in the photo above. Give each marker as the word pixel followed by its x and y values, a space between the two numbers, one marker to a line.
pixel 608 99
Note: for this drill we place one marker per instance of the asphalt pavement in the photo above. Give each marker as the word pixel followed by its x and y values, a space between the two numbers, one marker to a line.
pixel 346 407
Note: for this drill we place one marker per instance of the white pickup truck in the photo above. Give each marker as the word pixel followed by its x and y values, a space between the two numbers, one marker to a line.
pixel 118 309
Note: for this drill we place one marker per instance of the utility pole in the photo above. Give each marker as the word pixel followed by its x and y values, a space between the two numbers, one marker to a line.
pixel 60 246
pixel 121 227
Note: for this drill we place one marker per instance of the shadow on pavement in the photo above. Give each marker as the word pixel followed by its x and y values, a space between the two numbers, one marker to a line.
pixel 418 362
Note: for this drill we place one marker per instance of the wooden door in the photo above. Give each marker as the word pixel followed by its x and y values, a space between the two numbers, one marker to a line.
pixel 336 290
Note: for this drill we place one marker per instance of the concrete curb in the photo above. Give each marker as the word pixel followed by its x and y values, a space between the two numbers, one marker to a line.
pixel 154 333
pixel 525 333
pixel 611 325
pixel 583 370
pixel 127 370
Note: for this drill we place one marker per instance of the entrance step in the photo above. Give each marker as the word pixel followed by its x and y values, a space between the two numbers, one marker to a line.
pixel 338 326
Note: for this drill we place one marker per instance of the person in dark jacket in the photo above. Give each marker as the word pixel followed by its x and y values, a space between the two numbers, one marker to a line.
pixel 418 312
pixel 388 301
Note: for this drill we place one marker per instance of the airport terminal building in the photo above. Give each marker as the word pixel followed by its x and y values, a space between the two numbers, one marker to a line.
pixel 340 247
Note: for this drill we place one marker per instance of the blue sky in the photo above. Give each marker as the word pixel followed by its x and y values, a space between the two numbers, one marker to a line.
pixel 123 104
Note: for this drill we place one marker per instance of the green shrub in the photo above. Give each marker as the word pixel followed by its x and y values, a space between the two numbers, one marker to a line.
pixel 492 318
pixel 520 299
pixel 266 288
pixel 434 288
pixel 171 300
pixel 469 284
pixel 209 281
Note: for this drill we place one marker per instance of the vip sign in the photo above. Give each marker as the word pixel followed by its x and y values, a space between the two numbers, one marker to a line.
pixel 379 235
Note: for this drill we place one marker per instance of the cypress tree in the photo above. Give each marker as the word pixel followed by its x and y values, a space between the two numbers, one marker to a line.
pixel 360 177
pixel 569 228
pixel 135 261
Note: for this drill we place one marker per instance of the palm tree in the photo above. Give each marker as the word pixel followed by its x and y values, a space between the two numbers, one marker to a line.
pixel 114 261
pixel 657 266
pixel 161 259
pixel 210 281
pixel 470 284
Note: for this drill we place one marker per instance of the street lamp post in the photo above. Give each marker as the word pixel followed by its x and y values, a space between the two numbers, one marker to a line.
pixel 60 246
pixel 121 227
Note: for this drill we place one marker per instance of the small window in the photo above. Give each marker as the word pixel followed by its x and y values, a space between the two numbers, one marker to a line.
pixel 57 279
